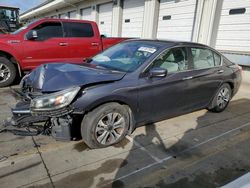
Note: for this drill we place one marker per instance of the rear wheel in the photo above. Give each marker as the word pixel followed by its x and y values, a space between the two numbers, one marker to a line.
pixel 7 72
pixel 222 98
pixel 106 125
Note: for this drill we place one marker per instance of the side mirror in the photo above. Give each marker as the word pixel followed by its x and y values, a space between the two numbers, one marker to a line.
pixel 158 72
pixel 32 35
pixel 103 36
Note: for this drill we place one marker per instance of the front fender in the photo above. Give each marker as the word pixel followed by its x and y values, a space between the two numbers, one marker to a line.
pixel 12 51
pixel 85 104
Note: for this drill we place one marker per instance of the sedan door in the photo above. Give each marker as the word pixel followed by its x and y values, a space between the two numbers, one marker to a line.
pixel 162 97
pixel 206 75
pixel 49 46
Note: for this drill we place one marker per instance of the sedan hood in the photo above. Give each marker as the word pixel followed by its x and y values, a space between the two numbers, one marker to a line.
pixel 59 76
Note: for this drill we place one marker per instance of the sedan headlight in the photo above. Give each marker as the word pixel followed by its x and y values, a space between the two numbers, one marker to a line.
pixel 55 100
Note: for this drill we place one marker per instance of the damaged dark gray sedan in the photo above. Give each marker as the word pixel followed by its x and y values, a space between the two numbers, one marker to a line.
pixel 133 83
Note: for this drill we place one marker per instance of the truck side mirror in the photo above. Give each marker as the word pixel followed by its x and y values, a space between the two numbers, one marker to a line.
pixel 32 35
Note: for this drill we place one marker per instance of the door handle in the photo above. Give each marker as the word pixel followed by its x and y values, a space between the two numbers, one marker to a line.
pixel 220 71
pixel 187 78
pixel 63 44
pixel 95 44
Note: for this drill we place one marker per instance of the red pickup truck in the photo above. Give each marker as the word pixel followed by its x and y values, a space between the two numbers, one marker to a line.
pixel 47 41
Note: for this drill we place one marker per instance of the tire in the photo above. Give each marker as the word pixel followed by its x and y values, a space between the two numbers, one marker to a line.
pixel 8 72
pixel 221 99
pixel 97 129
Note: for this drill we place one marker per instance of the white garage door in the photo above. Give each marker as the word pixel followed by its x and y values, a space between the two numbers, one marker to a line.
pixel 86 14
pixel 72 15
pixel 176 19
pixel 105 19
pixel 132 21
pixel 63 16
pixel 234 27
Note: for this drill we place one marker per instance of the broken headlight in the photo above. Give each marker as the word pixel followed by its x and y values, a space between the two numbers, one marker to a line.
pixel 55 100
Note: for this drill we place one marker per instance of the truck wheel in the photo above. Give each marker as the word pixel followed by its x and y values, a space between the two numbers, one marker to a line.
pixel 106 125
pixel 222 98
pixel 7 72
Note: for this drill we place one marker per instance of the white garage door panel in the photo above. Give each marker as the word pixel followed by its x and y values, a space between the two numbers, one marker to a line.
pixel 86 14
pixel 229 4
pixel 105 19
pixel 172 4
pixel 133 11
pixel 175 29
pixel 233 19
pixel 230 28
pixel 177 10
pixel 180 25
pixel 178 16
pixel 232 48
pixel 63 16
pixel 175 35
pixel 234 30
pixel 241 35
pixel 72 15
pixel 177 23
pixel 243 43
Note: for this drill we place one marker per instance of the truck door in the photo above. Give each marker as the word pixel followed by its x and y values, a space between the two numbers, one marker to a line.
pixel 83 41
pixel 49 45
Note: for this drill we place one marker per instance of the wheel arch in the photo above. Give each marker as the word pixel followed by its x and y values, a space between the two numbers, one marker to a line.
pixel 231 84
pixel 13 59
pixel 129 107
pixel 211 103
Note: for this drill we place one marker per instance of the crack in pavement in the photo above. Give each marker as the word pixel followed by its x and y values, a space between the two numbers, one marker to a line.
pixel 44 164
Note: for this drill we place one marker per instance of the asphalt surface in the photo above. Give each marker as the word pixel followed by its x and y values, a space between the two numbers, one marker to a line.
pixel 200 149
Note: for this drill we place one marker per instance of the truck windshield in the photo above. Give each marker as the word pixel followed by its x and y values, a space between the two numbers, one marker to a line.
pixel 8 14
pixel 125 57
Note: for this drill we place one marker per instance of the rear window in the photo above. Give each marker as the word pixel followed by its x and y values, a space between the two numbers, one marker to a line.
pixel 75 29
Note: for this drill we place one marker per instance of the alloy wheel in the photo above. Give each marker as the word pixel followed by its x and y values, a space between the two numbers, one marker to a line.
pixel 110 128
pixel 4 73
pixel 223 97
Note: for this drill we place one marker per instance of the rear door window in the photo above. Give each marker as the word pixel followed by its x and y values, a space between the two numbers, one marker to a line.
pixel 202 58
pixel 77 29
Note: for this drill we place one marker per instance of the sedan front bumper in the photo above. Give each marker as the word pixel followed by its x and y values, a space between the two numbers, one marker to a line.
pixel 56 122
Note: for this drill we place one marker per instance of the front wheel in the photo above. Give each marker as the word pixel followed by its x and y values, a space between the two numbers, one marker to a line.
pixel 222 98
pixel 106 125
pixel 7 72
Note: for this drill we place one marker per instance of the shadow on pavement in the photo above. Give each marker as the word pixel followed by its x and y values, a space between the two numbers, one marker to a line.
pixel 179 151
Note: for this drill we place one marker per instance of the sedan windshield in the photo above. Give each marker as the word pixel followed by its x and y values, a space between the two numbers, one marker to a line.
pixel 125 57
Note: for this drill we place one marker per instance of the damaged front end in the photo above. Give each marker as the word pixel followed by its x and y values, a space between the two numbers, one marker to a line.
pixel 48 95
pixel 39 113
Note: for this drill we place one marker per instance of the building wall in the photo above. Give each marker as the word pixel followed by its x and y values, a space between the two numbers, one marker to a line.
pixel 205 21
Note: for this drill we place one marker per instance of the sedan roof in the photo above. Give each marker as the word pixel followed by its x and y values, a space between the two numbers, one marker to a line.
pixel 168 43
